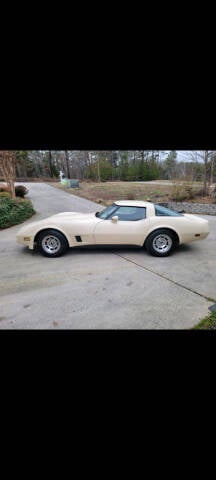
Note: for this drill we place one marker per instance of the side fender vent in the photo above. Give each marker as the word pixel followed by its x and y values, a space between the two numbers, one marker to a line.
pixel 78 238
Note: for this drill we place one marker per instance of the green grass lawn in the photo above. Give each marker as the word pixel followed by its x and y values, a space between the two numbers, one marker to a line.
pixel 208 323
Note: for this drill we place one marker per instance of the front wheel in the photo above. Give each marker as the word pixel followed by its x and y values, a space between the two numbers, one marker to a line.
pixel 52 243
pixel 160 243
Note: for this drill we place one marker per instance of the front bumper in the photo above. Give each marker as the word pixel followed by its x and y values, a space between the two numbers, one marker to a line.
pixel 27 241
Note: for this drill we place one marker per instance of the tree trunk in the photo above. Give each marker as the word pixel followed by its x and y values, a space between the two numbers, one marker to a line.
pixel 67 163
pixel 98 165
pixel 8 167
pixel 205 172
pixel 50 163
pixel 12 188
pixel 212 171
pixel 88 164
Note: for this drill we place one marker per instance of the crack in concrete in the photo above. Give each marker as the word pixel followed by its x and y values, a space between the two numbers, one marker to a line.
pixel 166 278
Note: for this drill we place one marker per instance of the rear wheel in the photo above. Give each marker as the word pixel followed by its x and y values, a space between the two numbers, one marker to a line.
pixel 160 243
pixel 52 243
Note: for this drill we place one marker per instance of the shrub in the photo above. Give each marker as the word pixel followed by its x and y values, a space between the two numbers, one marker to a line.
pixel 4 188
pixel 21 191
pixel 4 194
pixel 13 212
pixel 201 192
pixel 213 194
pixel 189 192
pixel 177 194
pixel 130 196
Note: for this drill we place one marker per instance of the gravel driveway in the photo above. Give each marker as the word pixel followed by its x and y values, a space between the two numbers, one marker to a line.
pixel 102 288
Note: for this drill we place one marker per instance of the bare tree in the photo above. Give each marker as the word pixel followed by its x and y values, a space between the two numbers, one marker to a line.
pixel 67 163
pixel 8 168
pixel 50 163
pixel 207 156
pixel 212 169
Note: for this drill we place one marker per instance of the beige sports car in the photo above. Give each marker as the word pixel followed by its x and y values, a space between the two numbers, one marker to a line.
pixel 146 224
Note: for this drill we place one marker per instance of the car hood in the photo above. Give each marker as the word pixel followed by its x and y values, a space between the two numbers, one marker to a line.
pixel 55 219
pixel 71 215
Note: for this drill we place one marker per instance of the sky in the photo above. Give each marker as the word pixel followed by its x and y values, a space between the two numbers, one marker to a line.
pixel 182 155
pixel 190 155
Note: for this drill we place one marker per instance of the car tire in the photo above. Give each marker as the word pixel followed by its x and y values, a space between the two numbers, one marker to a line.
pixel 160 243
pixel 52 243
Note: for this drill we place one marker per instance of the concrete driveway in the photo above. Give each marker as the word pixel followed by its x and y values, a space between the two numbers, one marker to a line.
pixel 102 288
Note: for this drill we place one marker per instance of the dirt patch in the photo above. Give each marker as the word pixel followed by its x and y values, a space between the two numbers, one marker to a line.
pixel 108 192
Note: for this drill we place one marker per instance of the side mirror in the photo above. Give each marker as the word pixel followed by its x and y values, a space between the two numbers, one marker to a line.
pixel 115 219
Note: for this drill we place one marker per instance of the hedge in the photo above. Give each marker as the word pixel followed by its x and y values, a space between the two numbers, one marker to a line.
pixel 13 212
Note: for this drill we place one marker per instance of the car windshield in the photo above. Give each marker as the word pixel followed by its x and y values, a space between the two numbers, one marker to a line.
pixel 107 211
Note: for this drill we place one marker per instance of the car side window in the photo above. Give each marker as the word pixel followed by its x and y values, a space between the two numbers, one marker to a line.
pixel 131 213
pixel 165 212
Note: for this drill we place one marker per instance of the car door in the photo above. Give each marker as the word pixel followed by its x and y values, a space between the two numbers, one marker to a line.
pixel 127 229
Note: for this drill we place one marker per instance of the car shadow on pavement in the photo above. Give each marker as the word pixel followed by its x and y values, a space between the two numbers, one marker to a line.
pixel 101 249
pixel 123 249
pixel 107 249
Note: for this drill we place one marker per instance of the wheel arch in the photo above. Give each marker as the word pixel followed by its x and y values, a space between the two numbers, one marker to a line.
pixel 168 229
pixel 47 229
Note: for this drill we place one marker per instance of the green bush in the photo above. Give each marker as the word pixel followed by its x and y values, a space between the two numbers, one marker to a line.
pixel 4 194
pixel 21 191
pixel 13 212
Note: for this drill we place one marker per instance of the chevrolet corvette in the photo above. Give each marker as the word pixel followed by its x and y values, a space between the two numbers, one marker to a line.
pixel 158 229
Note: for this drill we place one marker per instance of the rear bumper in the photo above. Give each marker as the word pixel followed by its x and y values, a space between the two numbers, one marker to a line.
pixel 189 237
